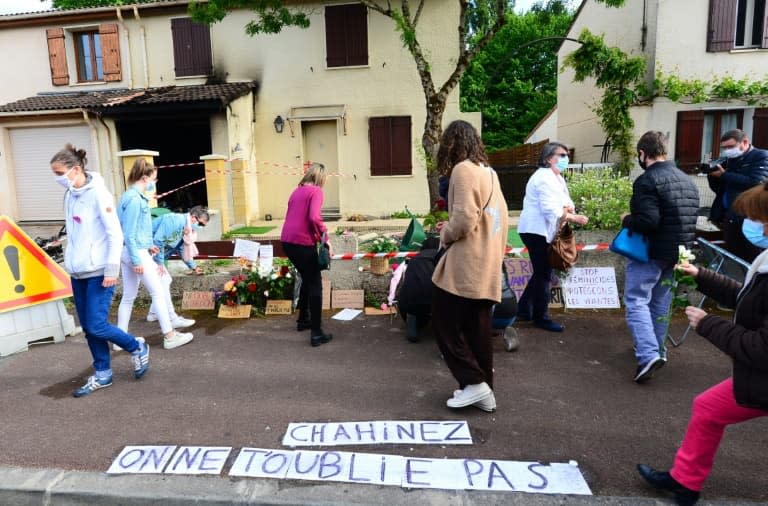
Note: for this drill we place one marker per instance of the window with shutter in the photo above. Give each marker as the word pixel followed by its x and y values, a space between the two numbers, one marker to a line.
pixel 760 128
pixel 721 30
pixel 89 56
pixel 390 141
pixel 57 56
pixel 346 35
pixel 690 126
pixel 735 24
pixel 191 48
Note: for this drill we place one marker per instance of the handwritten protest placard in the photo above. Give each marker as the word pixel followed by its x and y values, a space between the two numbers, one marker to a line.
pixel 520 270
pixel 198 300
pixel 247 249
pixel 378 432
pixel 353 299
pixel 591 287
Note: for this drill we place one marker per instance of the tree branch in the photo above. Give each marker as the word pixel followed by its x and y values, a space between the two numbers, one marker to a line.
pixel 418 13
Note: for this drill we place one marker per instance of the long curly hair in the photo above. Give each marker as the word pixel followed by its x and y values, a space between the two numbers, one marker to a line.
pixel 460 142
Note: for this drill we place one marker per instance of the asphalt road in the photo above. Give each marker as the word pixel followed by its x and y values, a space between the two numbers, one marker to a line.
pixel 240 383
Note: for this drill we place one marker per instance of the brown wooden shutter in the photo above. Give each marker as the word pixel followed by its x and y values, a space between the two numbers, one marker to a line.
pixel 760 128
pixel 722 25
pixel 401 145
pixel 690 126
pixel 379 132
pixel 110 50
pixel 191 48
pixel 335 36
pixel 357 34
pixel 764 41
pixel 57 55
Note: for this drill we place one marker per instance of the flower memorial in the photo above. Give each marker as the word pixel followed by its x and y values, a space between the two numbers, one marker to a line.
pixel 256 284
pixel 382 244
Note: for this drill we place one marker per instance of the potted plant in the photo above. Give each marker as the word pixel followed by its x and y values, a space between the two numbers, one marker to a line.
pixel 384 244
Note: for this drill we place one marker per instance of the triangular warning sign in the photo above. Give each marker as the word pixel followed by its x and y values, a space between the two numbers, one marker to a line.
pixel 28 276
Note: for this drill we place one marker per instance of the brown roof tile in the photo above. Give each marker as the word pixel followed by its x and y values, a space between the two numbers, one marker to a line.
pixel 100 100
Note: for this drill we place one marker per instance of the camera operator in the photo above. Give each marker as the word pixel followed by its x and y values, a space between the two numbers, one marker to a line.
pixel 744 167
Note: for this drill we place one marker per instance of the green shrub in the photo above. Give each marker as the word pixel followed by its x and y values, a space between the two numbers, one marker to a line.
pixel 602 195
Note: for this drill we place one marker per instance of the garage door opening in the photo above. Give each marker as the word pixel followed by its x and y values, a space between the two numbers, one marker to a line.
pixel 181 141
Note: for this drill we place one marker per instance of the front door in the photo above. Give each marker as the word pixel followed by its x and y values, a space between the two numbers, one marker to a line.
pixel 320 146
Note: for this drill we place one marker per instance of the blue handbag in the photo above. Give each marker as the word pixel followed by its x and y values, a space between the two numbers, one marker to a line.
pixel 630 244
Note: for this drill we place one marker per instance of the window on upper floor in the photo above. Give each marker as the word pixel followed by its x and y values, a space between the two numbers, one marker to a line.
pixel 96 54
pixel 191 48
pixel 89 58
pixel 346 35
pixel 737 24
pixel 390 140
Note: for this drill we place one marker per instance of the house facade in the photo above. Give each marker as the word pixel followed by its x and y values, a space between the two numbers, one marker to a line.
pixel 693 39
pixel 343 92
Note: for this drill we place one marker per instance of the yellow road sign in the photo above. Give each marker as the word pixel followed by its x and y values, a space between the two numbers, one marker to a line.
pixel 28 275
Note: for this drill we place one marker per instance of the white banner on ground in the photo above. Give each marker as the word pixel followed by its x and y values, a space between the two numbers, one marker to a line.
pixel 380 432
pixel 356 467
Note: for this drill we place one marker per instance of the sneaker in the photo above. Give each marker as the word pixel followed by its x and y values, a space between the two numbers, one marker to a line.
pixel 140 358
pixel 116 347
pixel 470 395
pixel 511 341
pixel 181 323
pixel 92 385
pixel 488 405
pixel 177 339
pixel 645 372
pixel 151 317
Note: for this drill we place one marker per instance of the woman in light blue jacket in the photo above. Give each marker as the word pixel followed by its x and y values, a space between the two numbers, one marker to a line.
pixel 92 258
pixel 136 259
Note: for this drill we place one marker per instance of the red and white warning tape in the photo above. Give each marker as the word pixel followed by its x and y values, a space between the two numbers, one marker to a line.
pixel 161 195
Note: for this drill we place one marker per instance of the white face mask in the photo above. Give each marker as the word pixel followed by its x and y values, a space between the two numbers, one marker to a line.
pixel 64 180
pixel 731 152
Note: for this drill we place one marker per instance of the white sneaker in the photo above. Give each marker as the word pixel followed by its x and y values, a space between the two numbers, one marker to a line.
pixel 470 395
pixel 181 323
pixel 488 405
pixel 151 317
pixel 118 348
pixel 176 340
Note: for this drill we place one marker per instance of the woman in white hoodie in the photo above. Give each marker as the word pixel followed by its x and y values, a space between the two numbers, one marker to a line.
pixel 92 258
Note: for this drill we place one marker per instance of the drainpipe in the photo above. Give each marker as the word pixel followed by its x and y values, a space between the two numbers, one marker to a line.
pixel 118 183
pixel 143 46
pixel 127 35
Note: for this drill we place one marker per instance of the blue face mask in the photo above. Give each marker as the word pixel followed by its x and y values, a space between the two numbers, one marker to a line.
pixel 562 163
pixel 754 232
pixel 151 186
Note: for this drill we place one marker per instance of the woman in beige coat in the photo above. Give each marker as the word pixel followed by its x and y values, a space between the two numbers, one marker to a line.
pixel 468 275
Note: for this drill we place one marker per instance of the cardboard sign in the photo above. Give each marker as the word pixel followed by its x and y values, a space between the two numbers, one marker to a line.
pixel 239 311
pixel 353 299
pixel 376 311
pixel 198 300
pixel 326 293
pixel 28 275
pixel 246 249
pixel 279 307
pixel 591 287
pixel 520 270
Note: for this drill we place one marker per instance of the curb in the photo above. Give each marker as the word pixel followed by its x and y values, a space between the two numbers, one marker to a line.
pixel 22 486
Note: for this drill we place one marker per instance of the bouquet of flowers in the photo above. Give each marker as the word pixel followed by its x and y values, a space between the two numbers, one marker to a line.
pixel 255 284
pixel 382 244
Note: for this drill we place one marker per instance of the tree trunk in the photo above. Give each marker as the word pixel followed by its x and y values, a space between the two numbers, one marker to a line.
pixel 430 142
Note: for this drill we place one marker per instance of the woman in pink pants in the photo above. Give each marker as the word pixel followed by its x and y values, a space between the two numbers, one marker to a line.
pixel 742 397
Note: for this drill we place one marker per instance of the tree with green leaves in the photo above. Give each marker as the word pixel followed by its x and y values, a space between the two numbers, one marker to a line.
pixel 479 22
pixel 513 80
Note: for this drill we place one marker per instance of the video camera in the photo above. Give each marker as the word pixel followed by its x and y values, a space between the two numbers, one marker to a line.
pixel 709 167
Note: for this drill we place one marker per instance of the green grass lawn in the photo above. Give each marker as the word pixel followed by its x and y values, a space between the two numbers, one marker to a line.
pixel 251 230
pixel 513 238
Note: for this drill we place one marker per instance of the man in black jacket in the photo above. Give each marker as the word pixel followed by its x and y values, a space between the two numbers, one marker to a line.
pixel 663 208
pixel 745 167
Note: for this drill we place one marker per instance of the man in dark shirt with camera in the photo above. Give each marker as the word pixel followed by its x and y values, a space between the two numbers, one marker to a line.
pixel 744 167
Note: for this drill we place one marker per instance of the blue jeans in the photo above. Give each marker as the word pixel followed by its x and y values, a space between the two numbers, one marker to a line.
pixel 647 299
pixel 92 302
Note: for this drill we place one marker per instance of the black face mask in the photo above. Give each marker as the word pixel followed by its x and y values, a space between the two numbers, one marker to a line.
pixel 641 162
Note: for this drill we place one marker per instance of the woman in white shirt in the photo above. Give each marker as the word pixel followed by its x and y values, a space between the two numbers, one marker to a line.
pixel 545 205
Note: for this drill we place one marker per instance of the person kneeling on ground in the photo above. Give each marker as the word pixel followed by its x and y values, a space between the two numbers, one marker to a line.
pixel 414 298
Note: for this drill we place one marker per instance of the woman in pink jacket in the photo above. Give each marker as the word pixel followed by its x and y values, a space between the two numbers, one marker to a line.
pixel 302 230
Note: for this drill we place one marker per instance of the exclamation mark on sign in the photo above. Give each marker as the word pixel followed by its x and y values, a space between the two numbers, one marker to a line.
pixel 12 256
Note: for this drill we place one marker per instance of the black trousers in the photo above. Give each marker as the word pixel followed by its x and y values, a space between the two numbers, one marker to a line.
pixel 535 299
pixel 463 330
pixel 304 258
